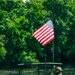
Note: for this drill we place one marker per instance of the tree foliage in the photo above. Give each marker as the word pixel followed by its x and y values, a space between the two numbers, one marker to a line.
pixel 18 20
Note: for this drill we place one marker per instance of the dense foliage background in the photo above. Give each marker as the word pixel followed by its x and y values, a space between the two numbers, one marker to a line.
pixel 18 20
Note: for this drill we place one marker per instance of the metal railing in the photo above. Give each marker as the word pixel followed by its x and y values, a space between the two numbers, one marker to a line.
pixel 33 71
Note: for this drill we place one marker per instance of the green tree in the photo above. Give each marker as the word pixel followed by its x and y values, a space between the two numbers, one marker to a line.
pixel 19 22
pixel 63 14
pixel 3 52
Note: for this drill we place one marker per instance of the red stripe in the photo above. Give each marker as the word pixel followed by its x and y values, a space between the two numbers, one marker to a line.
pixel 49 40
pixel 41 31
pixel 46 34
pixel 38 30
pixel 46 37
pixel 42 34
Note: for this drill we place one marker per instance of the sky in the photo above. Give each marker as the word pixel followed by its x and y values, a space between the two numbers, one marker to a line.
pixel 25 0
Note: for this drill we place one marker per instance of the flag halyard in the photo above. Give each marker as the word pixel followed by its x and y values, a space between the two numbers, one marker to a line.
pixel 45 34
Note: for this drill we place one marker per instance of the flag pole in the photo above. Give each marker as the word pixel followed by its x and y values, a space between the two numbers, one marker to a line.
pixel 53 55
pixel 51 17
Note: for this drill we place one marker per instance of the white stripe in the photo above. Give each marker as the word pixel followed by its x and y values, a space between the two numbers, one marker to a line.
pixel 41 31
pixel 47 37
pixel 38 30
pixel 48 40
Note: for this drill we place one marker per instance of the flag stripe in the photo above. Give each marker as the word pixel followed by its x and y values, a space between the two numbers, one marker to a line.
pixel 50 39
pixel 41 35
pixel 41 38
pixel 47 37
pixel 38 30
pixel 41 31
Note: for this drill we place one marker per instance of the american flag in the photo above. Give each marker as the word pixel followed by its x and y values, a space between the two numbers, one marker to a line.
pixel 45 34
